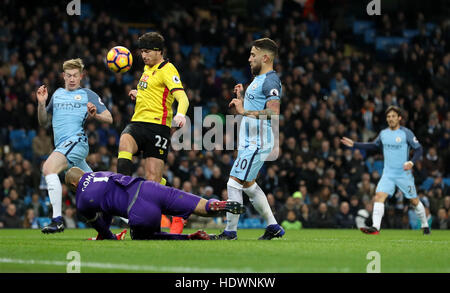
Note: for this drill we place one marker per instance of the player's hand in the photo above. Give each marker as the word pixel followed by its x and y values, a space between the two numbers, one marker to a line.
pixel 92 110
pixel 179 120
pixel 237 103
pixel 98 237
pixel 238 89
pixel 133 94
pixel 408 165
pixel 119 236
pixel 199 235
pixel 347 141
pixel 42 94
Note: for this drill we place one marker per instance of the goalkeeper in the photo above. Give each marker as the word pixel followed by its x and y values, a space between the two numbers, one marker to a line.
pixel 102 195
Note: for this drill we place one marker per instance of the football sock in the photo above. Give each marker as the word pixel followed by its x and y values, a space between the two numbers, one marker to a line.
pixel 55 193
pixel 125 166
pixel 378 212
pixel 207 207
pixel 420 211
pixel 234 194
pixel 259 201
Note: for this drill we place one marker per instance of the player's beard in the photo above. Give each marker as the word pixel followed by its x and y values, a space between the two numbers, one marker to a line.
pixel 256 69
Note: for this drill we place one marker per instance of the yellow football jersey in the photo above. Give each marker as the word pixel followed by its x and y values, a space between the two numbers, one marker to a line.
pixel 154 97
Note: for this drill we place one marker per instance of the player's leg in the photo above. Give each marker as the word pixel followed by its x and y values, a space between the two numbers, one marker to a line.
pixel 127 147
pixel 407 186
pixel 257 196
pixel 385 187
pixel 234 191
pixel 54 164
pixel 154 168
pixel 259 201
pixel 213 207
pixel 378 209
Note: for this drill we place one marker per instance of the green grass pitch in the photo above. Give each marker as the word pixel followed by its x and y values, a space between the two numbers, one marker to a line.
pixel 304 251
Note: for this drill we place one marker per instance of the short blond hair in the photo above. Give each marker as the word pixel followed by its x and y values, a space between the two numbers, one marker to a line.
pixel 73 64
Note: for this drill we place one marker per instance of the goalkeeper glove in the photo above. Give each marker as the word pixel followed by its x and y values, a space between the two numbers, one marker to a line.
pixel 199 235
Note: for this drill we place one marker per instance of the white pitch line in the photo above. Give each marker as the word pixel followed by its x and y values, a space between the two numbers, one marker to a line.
pixel 127 267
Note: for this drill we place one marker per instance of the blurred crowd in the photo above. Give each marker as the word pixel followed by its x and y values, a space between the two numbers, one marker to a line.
pixel 331 88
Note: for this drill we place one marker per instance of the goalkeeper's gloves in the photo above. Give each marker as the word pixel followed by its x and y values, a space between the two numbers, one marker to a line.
pixel 199 235
pixel 179 120
pixel 119 236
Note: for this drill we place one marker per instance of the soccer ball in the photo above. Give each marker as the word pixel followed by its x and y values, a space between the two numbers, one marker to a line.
pixel 119 59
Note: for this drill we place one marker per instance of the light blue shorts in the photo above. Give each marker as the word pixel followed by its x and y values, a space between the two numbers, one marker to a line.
pixel 404 182
pixel 75 150
pixel 248 163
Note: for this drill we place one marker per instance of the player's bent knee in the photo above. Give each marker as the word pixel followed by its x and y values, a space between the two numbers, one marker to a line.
pixel 380 196
pixel 415 201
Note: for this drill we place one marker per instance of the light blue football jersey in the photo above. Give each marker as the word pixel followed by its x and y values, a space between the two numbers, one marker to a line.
pixel 69 110
pixel 257 133
pixel 396 146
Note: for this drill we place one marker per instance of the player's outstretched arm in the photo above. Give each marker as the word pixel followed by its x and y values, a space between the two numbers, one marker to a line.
pixel 199 235
pixel 347 142
pixel 42 95
pixel 359 145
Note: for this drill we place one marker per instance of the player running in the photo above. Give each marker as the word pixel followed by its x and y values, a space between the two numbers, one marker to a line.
pixel 102 195
pixel 256 140
pixel 396 141
pixel 68 109
pixel 149 129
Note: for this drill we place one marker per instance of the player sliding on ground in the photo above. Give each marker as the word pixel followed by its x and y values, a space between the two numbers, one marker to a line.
pixel 102 195
pixel 396 141
pixel 260 104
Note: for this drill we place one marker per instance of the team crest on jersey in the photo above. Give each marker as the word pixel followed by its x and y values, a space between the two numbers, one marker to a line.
pixel 175 79
pixel 398 139
pixel 274 92
pixel 77 97
pixel 255 86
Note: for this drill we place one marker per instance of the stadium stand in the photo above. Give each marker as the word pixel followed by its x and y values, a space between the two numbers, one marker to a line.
pixel 339 74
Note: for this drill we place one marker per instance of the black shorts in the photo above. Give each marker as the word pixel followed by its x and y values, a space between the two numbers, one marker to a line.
pixel 152 139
